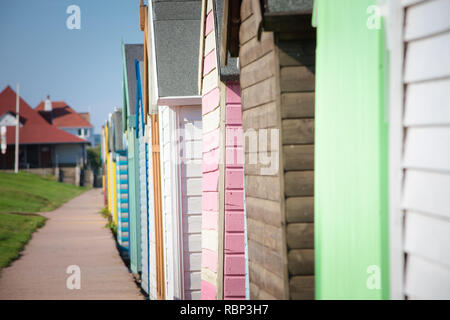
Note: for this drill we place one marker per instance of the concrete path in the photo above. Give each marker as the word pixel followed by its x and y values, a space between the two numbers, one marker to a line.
pixel 74 234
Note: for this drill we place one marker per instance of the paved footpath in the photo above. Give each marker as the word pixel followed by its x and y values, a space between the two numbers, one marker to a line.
pixel 74 234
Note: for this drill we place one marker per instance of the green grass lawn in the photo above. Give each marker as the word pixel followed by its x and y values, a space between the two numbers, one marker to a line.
pixel 21 195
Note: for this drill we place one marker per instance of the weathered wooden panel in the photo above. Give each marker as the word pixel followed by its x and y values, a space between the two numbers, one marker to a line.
pixel 249 29
pixel 300 235
pixel 263 187
pixel 298 157
pixel 298 131
pixel 256 72
pixel 300 209
pixel 297 105
pixel 301 262
pixel 427 19
pixel 428 192
pixel 428 148
pixel 428 237
pixel 299 183
pixel 256 48
pixel 253 166
pixel 267 211
pixel 262 117
pixel 302 288
pixel 297 79
pixel 258 94
pixel 433 55
pixel 428 103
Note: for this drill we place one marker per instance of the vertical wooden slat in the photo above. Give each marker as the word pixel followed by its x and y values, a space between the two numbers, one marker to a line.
pixel 158 207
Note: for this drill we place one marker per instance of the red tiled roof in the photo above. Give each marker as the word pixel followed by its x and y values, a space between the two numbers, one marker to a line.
pixel 64 116
pixel 35 129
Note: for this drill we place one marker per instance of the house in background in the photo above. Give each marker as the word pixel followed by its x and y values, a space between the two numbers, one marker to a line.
pixel 42 145
pixel 61 115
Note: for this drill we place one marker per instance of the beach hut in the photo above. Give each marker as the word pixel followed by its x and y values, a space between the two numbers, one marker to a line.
pixel 418 39
pixel 121 178
pixel 224 269
pixel 174 131
pixel 275 44
pixel 130 54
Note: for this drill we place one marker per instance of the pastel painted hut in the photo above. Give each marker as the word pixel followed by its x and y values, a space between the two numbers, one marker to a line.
pixel 173 129
pixel 121 178
pixel 130 54
pixel 419 153
pixel 224 273
pixel 276 49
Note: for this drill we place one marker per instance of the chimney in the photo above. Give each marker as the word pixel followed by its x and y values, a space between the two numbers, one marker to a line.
pixel 48 104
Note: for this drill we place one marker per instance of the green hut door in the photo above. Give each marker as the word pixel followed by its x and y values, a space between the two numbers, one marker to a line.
pixel 351 202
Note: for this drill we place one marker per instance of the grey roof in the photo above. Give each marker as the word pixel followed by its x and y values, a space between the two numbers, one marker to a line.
pixel 132 52
pixel 177 33
pixel 230 71
pixel 279 6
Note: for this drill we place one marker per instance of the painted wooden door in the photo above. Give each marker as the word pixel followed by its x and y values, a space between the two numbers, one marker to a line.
pixel 351 191
pixel 181 191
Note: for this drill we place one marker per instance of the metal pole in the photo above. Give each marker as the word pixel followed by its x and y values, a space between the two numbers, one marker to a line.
pixel 16 164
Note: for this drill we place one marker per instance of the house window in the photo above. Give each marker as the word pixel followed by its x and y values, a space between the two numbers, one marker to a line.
pixel 80 132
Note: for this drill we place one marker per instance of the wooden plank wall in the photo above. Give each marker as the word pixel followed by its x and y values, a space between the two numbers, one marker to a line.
pixel 297 85
pixel 264 192
pixel 211 111
pixel 425 201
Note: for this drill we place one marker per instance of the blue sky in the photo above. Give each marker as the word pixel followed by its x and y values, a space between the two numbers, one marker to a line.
pixel 82 67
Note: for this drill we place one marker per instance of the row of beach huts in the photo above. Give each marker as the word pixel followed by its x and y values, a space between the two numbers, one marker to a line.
pixel 284 150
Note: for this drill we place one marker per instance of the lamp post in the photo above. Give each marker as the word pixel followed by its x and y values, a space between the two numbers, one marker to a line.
pixel 16 163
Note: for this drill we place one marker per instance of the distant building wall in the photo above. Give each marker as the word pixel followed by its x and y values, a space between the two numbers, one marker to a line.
pixel 68 153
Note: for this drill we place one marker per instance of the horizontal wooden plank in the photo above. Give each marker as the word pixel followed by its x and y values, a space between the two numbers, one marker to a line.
pixel 267 211
pixel 301 288
pixel 256 48
pixel 433 56
pixel 246 9
pixel 297 105
pixel 210 81
pixel 262 117
pixel 259 94
pixel 428 148
pixel 249 28
pixel 263 187
pixel 300 235
pixel 297 79
pixel 298 131
pixel 255 167
pixel 428 192
pixel 299 183
pixel 254 72
pixel 274 284
pixel 428 237
pixel 301 262
pixel 428 103
pixel 273 261
pixel 426 280
pixel 297 53
pixel 298 157
pixel 418 18
pixel 300 209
